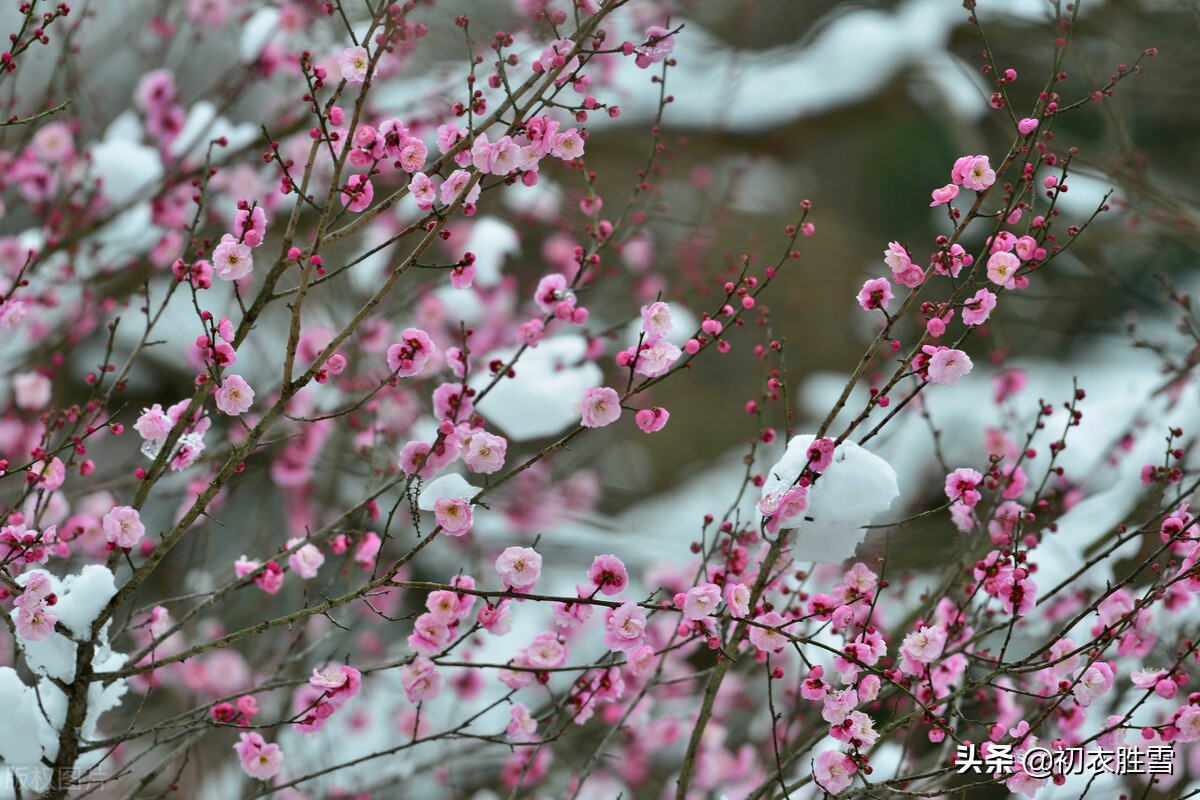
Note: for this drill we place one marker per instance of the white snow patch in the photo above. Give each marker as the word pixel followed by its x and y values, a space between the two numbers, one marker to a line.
pixel 856 486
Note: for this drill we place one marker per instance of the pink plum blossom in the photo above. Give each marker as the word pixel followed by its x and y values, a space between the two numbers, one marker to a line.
pixel 600 406
pixel 123 527
pixel 652 420
pixel 947 366
pixel 625 627
pixel 259 759
pixel 608 574
pixel 234 396
pixel 519 567
pixel 354 63
pixel 833 771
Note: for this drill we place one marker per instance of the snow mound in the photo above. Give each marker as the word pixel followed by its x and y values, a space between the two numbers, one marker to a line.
pixel 856 486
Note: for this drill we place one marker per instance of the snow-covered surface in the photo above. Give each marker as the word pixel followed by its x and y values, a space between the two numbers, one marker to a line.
pixel 856 487
pixel 540 400
pixel 451 486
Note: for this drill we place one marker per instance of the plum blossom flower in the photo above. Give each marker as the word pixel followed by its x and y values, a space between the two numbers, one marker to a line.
pixel 31 390
pixel 973 172
pixel 977 310
pixel 944 195
pixel 231 259
pixel 234 396
pixel 701 601
pixel 608 574
pixel 354 63
pixel 961 485
pixel 764 636
pixel 423 190
pixel 523 727
pixel 36 623
pixel 925 645
pixel 656 321
pixel 411 354
pixel 737 597
pixel 652 420
pixel 657 47
pixel 947 366
pixel 519 567
pixel 485 452
pixel 339 682
pixel 625 627
pixel 656 359
pixel 421 680
pixel 600 406
pixel 897 258
pixel 1095 681
pixel 1002 269
pixel 123 527
pixel 259 759
pixel 358 193
pixel 875 293
pixel 453 514
pixel 307 560
pixel 834 771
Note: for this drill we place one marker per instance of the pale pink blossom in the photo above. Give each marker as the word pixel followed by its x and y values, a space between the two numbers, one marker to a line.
pixel 234 396
pixel 36 623
pixel 600 406
pixel 153 423
pixel 977 310
pixel 897 258
pixel 567 145
pixel 231 259
pixel 656 359
pixel 737 597
pixel 625 627
pixel 429 635
pixel 947 366
pixel 656 321
pixel 763 634
pixel 1027 126
pixel 31 390
pixel 1095 681
pixel 925 645
pixel 1187 723
pixel 411 354
pixel 421 680
pixel 546 651
pixel 701 601
pixel 259 759
pixel 834 771
pixel 453 514
pixel 1002 269
pixel 657 47
pixel 123 527
pixel 454 185
pixel 975 173
pixel 354 63
pixel 962 485
pixel 423 190
pixel 305 561
pixel 519 567
pixel 496 619
pixel 485 453
pixel 522 727
pixel 339 682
